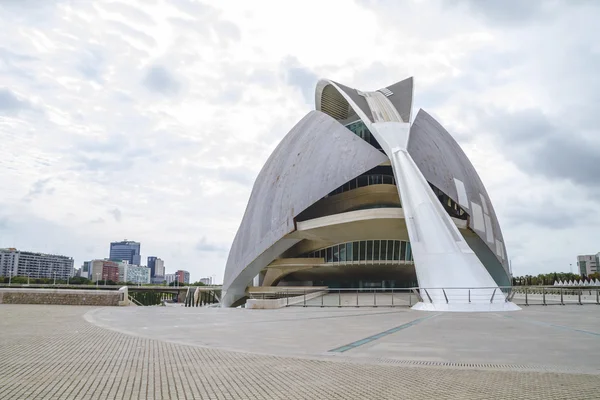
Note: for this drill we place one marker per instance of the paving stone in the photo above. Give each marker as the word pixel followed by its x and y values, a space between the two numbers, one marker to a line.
pixel 52 352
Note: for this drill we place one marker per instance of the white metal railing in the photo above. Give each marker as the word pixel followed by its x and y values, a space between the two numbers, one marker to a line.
pixel 407 297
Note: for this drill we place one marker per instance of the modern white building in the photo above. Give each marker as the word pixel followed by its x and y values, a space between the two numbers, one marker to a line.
pixel 588 264
pixel 361 194
pixel 14 262
pixel 170 278
pixel 134 273
pixel 207 281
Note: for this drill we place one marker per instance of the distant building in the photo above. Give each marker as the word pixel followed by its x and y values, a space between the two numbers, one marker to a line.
pixel 86 270
pixel 183 276
pixel 588 264
pixel 158 280
pixel 101 270
pixel 170 278
pixel 126 250
pixel 206 281
pixel 157 266
pixel 35 265
pixel 134 273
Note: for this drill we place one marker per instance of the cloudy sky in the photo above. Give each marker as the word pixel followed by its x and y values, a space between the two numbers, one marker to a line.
pixel 149 120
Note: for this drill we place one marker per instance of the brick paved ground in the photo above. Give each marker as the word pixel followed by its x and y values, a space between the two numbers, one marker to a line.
pixel 51 352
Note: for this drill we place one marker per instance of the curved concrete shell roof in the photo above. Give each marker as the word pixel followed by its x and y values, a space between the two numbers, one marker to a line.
pixel 315 157
pixel 441 161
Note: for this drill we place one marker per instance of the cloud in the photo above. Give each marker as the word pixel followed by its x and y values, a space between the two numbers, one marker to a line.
pixel 11 105
pixel 204 246
pixel 175 105
pixel 540 145
pixel 160 80
pixel 508 12
pixel 301 78
pixel 116 213
pixel 38 188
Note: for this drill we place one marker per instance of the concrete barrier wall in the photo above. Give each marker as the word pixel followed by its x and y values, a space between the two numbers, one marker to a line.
pixel 60 296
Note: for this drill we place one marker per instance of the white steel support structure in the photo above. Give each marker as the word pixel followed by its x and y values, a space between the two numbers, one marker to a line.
pixel 451 276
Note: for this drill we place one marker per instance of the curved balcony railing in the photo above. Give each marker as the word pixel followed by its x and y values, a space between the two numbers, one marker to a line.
pixel 365 250
pixel 365 180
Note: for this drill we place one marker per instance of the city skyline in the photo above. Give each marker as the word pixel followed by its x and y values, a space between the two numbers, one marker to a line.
pixel 163 106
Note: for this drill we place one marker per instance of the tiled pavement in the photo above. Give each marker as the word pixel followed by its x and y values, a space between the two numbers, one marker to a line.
pixel 51 352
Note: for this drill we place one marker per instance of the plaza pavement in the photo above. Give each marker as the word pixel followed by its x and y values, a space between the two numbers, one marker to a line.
pixel 70 352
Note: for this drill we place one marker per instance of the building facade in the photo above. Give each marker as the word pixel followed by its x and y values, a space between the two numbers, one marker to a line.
pixel 206 281
pixel 360 194
pixel 125 250
pixel 86 270
pixel 35 265
pixel 170 278
pixel 183 277
pixel 101 270
pixel 588 264
pixel 157 266
pixel 134 274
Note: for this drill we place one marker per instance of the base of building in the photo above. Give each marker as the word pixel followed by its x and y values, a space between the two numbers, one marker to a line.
pixel 468 307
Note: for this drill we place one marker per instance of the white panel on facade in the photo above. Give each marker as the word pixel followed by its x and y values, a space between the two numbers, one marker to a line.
pixel 500 249
pixel 488 228
pixel 484 204
pixel 463 200
pixel 477 217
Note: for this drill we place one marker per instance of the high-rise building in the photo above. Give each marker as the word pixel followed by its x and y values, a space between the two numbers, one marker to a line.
pixel 183 276
pixel 588 264
pixel 35 265
pixel 86 270
pixel 125 250
pixel 170 278
pixel 157 266
pixel 206 281
pixel 101 270
pixel 134 273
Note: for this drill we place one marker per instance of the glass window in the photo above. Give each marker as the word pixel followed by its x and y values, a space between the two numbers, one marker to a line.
pixel 408 252
pixel 362 251
pixel 355 251
pixel 403 250
pixel 376 248
pixel 336 255
pixel 322 253
pixel 349 252
pixel 384 250
pixel 329 257
pixel 396 250
pixel 342 252
pixel 369 250
pixel 390 250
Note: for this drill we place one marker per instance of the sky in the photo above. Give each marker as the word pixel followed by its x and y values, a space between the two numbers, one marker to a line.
pixel 149 120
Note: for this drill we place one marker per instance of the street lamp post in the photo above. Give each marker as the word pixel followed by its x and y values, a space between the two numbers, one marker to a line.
pixel 28 279
pixel 9 276
pixel 104 276
pixel 54 273
pixel 97 278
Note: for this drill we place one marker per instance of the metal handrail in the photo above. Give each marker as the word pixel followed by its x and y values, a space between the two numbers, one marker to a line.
pixel 402 297
pixel 427 293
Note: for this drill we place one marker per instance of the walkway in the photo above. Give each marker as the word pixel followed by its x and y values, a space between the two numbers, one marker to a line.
pixel 179 353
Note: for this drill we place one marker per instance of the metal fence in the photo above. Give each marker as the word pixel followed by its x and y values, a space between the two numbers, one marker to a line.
pixel 408 297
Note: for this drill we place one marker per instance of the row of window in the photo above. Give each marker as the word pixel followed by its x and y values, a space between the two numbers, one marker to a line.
pixel 365 250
